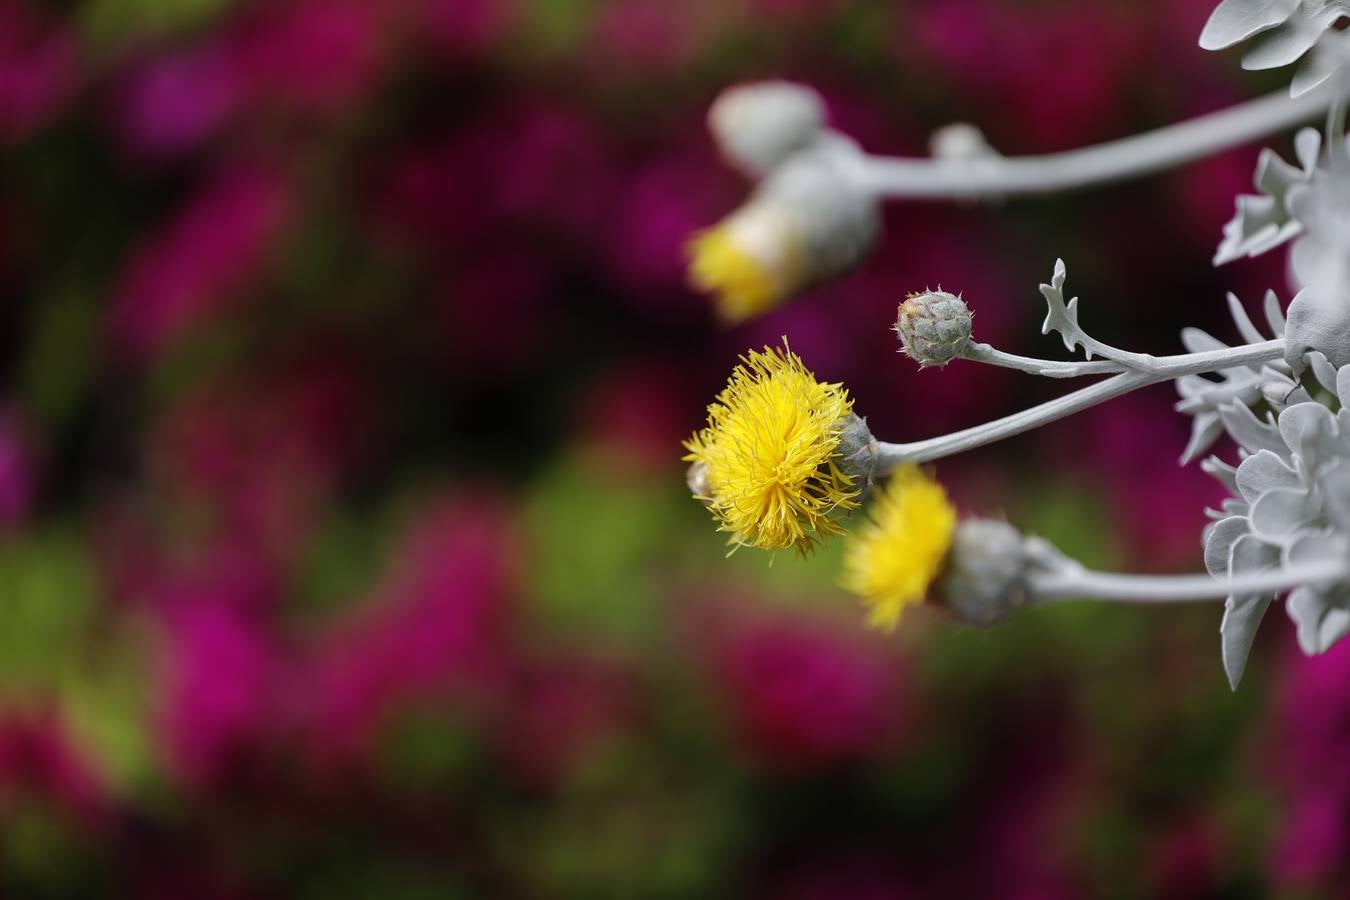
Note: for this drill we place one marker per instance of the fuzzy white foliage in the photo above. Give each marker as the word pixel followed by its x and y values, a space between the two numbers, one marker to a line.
pixel 1286 30
pixel 1290 505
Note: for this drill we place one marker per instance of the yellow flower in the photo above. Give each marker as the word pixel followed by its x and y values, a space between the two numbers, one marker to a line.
pixel 750 262
pixel 768 462
pixel 894 558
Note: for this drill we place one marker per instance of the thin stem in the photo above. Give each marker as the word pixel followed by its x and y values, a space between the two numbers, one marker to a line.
pixel 1087 584
pixel 892 456
pixel 1130 157
pixel 1165 368
pixel 1181 364
pixel 1048 368
pixel 1336 150
pixel 1125 358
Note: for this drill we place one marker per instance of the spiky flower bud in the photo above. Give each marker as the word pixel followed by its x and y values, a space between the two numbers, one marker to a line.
pixel 985 577
pixel 934 327
pixel 759 125
pixel 857 452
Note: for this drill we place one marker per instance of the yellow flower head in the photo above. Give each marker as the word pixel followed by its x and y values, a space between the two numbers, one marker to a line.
pixel 750 262
pixel 768 461
pixel 894 558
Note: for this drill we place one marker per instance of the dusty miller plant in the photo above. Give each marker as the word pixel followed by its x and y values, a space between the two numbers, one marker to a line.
pixel 784 460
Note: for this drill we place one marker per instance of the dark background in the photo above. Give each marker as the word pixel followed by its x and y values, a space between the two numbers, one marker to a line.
pixel 345 356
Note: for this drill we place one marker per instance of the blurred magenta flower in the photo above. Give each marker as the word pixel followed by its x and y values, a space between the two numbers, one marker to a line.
pixel 171 104
pixel 649 34
pixel 1309 847
pixel 432 631
pixel 200 261
pixel 527 168
pixel 317 56
pixel 660 204
pixel 1187 860
pixel 553 163
pixel 239 469
pixel 38 759
pixel 463 28
pixel 1134 446
pixel 559 711
pixel 804 695
pixel 39 69
pixel 639 409
pixel 221 686
pixel 1312 721
pixel 1007 53
pixel 226 568
pixel 264 448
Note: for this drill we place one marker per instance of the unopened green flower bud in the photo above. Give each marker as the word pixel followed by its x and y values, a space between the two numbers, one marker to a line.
pixel 934 327
pixel 857 451
pixel 985 580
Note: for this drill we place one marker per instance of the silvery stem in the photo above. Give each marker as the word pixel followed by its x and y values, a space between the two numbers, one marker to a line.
pixel 1130 157
pixel 1047 368
pixel 1081 583
pixel 1163 368
pixel 892 456
pixel 1336 150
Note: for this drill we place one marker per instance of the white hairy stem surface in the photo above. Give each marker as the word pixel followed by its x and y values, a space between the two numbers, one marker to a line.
pixel 1143 154
pixel 1151 370
pixel 1047 368
pixel 1087 584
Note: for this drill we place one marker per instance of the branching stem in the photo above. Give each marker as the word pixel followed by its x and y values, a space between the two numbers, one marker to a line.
pixel 1162 368
pixel 1047 368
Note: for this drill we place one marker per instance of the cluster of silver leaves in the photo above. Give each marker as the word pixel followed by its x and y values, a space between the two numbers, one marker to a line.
pixel 1288 30
pixel 1290 505
pixel 1226 404
pixel 1264 221
pixel 1291 488
pixel 1310 206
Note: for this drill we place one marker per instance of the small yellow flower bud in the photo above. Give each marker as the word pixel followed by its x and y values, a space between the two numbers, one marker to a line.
pixel 807 222
pixel 893 559
pixel 751 261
